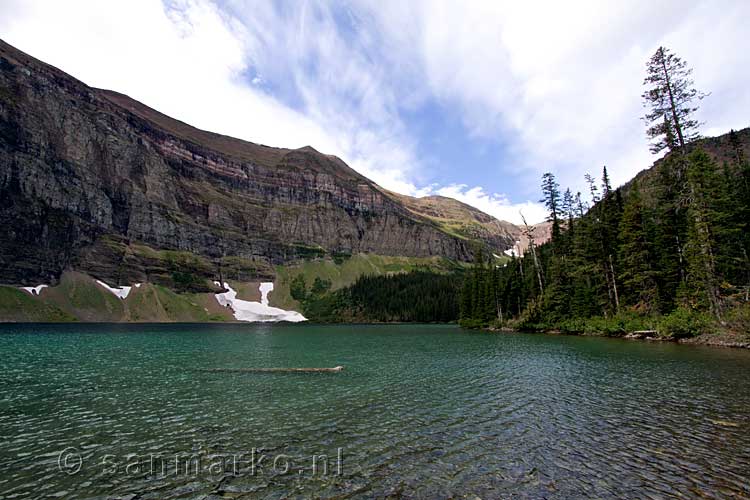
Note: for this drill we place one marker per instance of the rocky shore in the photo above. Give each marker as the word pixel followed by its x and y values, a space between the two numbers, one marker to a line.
pixel 717 339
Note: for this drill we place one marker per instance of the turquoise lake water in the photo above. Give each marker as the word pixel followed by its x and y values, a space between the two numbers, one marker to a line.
pixel 126 411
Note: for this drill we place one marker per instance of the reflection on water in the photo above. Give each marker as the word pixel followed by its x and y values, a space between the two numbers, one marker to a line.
pixel 420 411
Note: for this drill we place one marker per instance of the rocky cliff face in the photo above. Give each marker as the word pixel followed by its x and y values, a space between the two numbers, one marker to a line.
pixel 94 181
pixel 462 219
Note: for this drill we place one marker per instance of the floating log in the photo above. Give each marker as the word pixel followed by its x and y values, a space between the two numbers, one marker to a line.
pixel 724 423
pixel 273 370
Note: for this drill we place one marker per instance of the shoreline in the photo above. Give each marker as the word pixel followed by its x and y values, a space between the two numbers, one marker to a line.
pixel 721 339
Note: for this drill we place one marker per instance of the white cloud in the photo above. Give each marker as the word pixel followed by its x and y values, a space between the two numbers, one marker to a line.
pixel 496 205
pixel 558 83
pixel 188 59
pixel 185 61
pixel 561 80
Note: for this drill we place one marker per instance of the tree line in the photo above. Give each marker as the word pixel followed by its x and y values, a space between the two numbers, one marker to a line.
pixel 672 244
pixel 416 296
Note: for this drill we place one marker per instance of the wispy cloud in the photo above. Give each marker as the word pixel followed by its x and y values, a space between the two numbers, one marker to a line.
pixel 563 80
pixel 496 205
pixel 551 87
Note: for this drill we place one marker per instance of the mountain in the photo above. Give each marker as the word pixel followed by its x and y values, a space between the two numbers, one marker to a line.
pixel 541 233
pixel 463 220
pixel 94 181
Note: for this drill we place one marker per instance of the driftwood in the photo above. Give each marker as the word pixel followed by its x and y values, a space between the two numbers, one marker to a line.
pixel 641 334
pixel 273 370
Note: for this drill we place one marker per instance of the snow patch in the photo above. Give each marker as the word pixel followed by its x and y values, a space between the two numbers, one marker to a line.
pixel 245 310
pixel 515 250
pixel 264 289
pixel 34 290
pixel 120 291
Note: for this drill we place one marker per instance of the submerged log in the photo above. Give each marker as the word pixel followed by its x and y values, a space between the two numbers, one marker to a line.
pixel 273 370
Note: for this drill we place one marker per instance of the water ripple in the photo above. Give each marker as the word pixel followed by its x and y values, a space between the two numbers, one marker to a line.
pixel 419 412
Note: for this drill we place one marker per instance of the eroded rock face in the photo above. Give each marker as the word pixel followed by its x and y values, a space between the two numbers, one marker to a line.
pixel 80 167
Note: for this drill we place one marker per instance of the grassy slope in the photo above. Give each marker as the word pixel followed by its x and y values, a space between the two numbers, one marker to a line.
pixel 79 297
pixel 157 303
pixel 347 272
pixel 462 220
pixel 18 305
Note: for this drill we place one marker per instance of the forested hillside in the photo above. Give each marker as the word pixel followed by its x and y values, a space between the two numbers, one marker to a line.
pixel 667 251
pixel 418 296
pixel 673 243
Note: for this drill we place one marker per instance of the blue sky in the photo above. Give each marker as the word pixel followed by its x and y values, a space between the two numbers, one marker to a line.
pixel 473 100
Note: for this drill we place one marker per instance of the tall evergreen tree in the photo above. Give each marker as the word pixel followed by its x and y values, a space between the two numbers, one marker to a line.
pixel 606 183
pixel 580 205
pixel 610 212
pixel 636 257
pixel 704 221
pixel 593 190
pixel 569 205
pixel 569 213
pixel 465 305
pixel 739 188
pixel 551 199
pixel 671 100
pixel 529 233
pixel 669 231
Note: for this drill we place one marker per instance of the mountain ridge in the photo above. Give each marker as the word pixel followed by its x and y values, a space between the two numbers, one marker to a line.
pixel 95 181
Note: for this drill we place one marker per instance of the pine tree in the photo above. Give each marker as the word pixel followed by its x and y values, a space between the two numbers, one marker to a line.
pixel 636 257
pixel 529 233
pixel 465 305
pixel 593 190
pixel 738 185
pixel 671 102
pixel 703 219
pixel 580 205
pixel 669 232
pixel 297 288
pixel 610 212
pixel 569 213
pixel 569 206
pixel 477 285
pixel 551 193
pixel 670 98
pixel 606 184
pixel 489 310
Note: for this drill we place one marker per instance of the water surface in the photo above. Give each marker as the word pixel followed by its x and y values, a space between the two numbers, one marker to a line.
pixel 100 411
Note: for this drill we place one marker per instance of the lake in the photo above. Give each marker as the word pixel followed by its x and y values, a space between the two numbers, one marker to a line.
pixel 427 411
